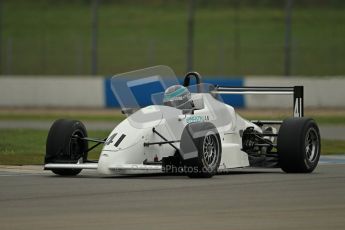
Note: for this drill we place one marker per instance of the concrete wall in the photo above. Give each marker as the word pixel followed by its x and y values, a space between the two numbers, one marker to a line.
pixel 318 92
pixel 95 91
pixel 52 91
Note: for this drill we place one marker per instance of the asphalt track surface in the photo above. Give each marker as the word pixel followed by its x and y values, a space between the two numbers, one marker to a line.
pixel 242 199
pixel 333 132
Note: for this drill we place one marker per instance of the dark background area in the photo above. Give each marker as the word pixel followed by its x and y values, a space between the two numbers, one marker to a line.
pixel 230 37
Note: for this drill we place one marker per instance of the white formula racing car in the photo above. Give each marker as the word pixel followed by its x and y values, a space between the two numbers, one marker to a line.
pixel 185 129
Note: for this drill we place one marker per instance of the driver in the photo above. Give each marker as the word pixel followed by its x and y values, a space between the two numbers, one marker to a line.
pixel 179 97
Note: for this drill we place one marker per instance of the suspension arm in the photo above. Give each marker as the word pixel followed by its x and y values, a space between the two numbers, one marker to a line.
pixel 166 140
pixel 159 143
pixel 98 141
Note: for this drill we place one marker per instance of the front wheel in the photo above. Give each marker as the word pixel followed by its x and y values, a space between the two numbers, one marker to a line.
pixel 298 145
pixel 65 146
pixel 201 149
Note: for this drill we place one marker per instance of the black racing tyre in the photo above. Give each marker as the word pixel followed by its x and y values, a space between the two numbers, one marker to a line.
pixel 172 164
pixel 62 148
pixel 201 149
pixel 298 145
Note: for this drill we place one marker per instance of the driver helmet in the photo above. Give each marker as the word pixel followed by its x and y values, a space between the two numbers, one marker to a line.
pixel 178 96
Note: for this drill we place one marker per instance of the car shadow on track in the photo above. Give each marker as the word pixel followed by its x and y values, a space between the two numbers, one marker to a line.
pixel 165 176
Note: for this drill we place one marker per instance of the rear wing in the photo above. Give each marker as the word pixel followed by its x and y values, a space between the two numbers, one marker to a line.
pixel 295 91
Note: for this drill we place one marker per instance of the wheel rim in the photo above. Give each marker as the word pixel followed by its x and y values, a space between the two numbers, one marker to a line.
pixel 312 145
pixel 210 150
pixel 75 146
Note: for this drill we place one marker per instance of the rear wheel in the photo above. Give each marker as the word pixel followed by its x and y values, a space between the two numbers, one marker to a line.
pixel 201 147
pixel 298 145
pixel 64 146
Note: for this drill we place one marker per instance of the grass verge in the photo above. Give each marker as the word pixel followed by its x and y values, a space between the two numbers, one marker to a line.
pixel 25 146
pixel 38 114
pixel 322 116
